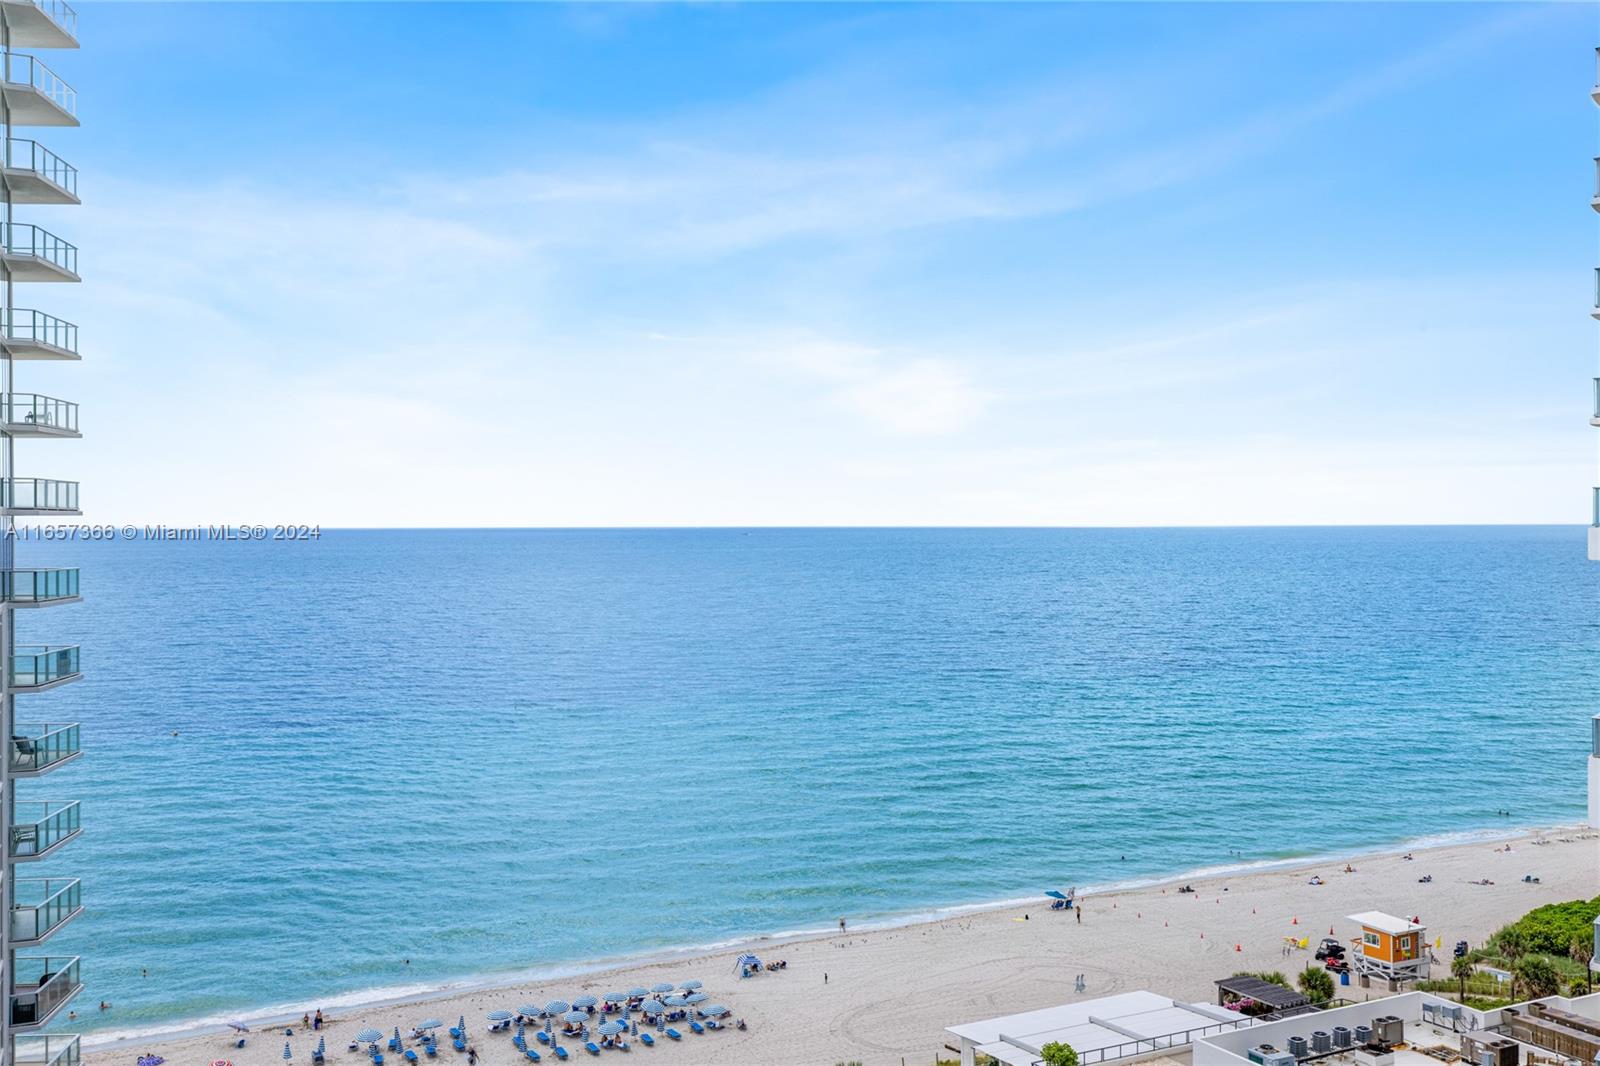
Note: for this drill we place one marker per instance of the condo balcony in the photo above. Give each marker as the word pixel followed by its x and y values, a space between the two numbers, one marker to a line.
pixel 36 668
pixel 26 334
pixel 36 175
pixel 27 414
pixel 41 906
pixel 37 495
pixel 40 987
pixel 39 747
pixel 30 253
pixel 1595 420
pixel 39 588
pixel 1595 203
pixel 43 828
pixel 40 23
pixel 47 1051
pixel 34 94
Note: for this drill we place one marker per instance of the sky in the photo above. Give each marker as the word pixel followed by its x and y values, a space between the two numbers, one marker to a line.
pixel 845 264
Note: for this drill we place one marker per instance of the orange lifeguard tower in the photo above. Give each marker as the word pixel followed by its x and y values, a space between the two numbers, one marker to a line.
pixel 1392 949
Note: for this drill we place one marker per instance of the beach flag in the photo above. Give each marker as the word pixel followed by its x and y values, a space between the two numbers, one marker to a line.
pixel 287 1054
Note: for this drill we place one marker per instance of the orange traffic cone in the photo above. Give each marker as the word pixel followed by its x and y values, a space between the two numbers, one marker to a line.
pixel 1296 921
pixel 1236 947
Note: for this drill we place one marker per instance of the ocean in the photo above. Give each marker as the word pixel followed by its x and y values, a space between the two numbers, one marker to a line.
pixel 326 771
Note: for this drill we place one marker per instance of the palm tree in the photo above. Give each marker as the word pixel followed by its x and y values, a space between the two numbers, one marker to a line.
pixel 1462 968
pixel 1512 946
pixel 1581 952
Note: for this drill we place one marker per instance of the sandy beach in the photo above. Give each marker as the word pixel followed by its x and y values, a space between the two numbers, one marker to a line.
pixel 885 996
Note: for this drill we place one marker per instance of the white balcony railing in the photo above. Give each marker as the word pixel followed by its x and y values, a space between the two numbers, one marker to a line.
pixel 22 69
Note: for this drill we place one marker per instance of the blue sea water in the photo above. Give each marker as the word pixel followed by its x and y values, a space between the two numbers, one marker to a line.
pixel 491 752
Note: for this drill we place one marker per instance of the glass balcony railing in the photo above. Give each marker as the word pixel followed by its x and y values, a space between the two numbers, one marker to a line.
pixel 43 905
pixel 1595 521
pixel 38 494
pixel 41 825
pixel 47 1051
pixel 60 13
pixel 37 746
pixel 32 667
pixel 26 239
pixel 38 586
pixel 41 986
pixel 21 69
pixel 1597 399
pixel 23 154
pixel 44 412
pixel 36 327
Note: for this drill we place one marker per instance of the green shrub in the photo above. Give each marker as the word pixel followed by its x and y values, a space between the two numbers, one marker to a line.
pixel 1058 1054
pixel 1547 930
pixel 1316 983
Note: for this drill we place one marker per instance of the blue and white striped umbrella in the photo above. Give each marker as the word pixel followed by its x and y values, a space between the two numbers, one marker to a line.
pixel 574 1016
pixel 664 986
pixel 716 1010
pixel 461 1023
pixel 652 1006
pixel 638 993
pixel 613 1028
pixel 557 1006
pixel 530 1010
pixel 367 1036
pixel 397 1034
pixel 696 997
pixel 675 1001
pixel 690 986
pixel 616 997
pixel 287 1054
pixel 322 1045
pixel 635 1029
pixel 431 1023
pixel 585 1002
pixel 498 1016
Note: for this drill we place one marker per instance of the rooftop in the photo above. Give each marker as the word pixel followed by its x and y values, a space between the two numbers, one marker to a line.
pixel 1385 923
pixel 1273 995
pixel 1100 1030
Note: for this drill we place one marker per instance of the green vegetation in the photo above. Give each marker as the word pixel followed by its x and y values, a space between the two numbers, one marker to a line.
pixel 1535 976
pixel 1462 968
pixel 1058 1054
pixel 1316 983
pixel 1547 930
pixel 1271 977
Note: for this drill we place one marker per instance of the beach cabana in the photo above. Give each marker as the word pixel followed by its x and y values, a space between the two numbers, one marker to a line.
pixel 1393 949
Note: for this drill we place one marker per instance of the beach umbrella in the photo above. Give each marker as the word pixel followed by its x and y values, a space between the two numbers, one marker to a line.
pixel 397 1034
pixel 675 1001
pixel 322 1045
pixel 151 1060
pixel 696 997
pixel 664 986
pixel 716 1010
pixel 613 1028
pixel 529 1010
pixel 635 1029
pixel 616 997
pixel 584 1002
pixel 574 1016
pixel 652 1006
pixel 287 1054
pixel 238 1026
pixel 368 1036
pixel 638 993
pixel 499 1016
pixel 557 1006
pixel 431 1023
pixel 461 1023
pixel 690 986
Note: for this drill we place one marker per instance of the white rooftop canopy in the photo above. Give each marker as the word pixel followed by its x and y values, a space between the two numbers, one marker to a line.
pixel 1384 923
pixel 1096 1028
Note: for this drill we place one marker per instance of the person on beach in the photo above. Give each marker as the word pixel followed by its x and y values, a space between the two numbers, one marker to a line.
pixel 1079 910
pixel 305 1021
pixel 316 1023
pixel 841 925
pixel 824 977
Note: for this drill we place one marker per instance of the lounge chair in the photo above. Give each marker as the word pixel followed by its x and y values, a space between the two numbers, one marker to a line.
pixel 377 1058
pixel 592 1047
pixel 561 1053
pixel 544 1037
pixel 699 1029
pixel 317 1056
pixel 713 1024
pixel 455 1032
pixel 433 1051
pixel 674 1034
pixel 647 1040
pixel 410 1055
pixel 533 1056
pixel 240 1043
pixel 622 1045
pixel 460 1044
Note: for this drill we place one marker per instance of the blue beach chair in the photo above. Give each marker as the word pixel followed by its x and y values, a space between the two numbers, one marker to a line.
pixel 622 1045
pixel 592 1047
pixel 699 1029
pixel 544 1037
pixel 433 1052
pixel 561 1053
pixel 410 1055
pixel 377 1058
pixel 460 1045
pixel 647 1040
pixel 533 1056
pixel 674 1034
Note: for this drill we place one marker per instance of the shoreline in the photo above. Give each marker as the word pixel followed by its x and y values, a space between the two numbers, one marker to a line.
pixel 347 1004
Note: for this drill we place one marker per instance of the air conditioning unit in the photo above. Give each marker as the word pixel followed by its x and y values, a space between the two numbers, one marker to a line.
pixel 1297 1047
pixel 1278 1058
pixel 1389 1029
pixel 1341 1036
pixel 1363 1034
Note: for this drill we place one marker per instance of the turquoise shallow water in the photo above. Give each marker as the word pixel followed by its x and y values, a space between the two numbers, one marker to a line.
pixel 492 752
